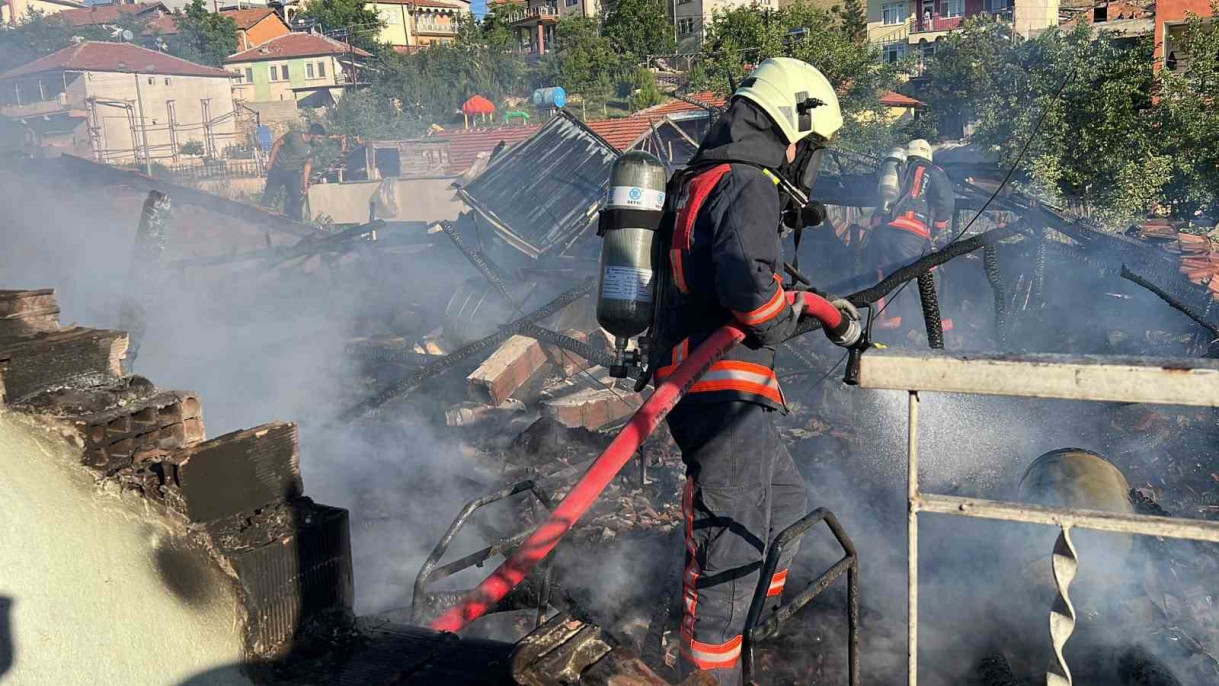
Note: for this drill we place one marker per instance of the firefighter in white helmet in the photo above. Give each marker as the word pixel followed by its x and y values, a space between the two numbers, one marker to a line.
pixel 722 229
pixel 904 228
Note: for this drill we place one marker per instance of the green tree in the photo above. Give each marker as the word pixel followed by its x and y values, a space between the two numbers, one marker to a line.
pixel 584 61
pixel 1187 119
pixel 854 19
pixel 1098 149
pixel 645 93
pixel 203 37
pixel 350 20
pixel 742 37
pixel 37 34
pixel 638 28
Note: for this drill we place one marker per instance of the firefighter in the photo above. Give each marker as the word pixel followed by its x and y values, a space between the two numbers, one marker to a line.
pixel 724 261
pixel 920 215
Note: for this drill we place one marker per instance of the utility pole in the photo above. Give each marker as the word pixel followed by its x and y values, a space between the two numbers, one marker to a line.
pixel 139 99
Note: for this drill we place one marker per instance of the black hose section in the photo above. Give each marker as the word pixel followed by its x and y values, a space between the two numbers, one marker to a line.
pixel 990 261
pixel 564 342
pixel 1172 302
pixel 480 263
pixel 931 311
pixel 416 378
pixel 1039 260
pixel 922 265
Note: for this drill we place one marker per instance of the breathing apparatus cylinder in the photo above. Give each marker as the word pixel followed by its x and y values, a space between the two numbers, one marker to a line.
pixel 628 222
pixel 890 177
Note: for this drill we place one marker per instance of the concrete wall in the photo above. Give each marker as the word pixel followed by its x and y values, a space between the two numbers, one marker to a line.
pixel 397 30
pixel 1031 17
pixel 426 199
pixel 155 92
pixel 86 571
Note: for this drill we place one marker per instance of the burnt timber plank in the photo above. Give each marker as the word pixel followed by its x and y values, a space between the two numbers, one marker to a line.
pixel 106 174
pixel 242 471
pixel 25 312
pixel 69 357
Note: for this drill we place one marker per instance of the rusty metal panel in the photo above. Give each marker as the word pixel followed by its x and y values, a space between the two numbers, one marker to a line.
pixel 543 193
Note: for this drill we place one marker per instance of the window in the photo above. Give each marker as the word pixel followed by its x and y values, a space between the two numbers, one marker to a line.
pixel 308 70
pixel 997 5
pixel 952 8
pixel 685 26
pixel 240 78
pixel 571 2
pixel 893 13
pixel 283 71
pixel 321 70
pixel 274 73
pixel 151 80
pixel 895 51
pixel 390 17
pixel 249 74
pixel 926 50
pixel 167 81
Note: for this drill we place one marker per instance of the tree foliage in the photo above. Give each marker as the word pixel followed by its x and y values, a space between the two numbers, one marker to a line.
pixel 38 34
pixel 638 28
pixel 1105 148
pixel 203 37
pixel 740 38
pixel 853 18
pixel 349 20
pixel 584 61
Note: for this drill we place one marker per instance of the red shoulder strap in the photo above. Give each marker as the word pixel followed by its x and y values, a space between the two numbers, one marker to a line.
pixel 692 198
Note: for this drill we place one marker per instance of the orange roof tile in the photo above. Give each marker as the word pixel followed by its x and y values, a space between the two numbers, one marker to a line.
pixel 97 15
pixel 464 146
pixel 99 56
pixel 892 99
pixel 681 107
pixel 246 19
pixel 295 45
pixel 622 133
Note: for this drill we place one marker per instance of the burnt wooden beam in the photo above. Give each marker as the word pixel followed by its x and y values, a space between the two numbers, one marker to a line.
pixel 56 359
pixel 144 272
pixel 26 312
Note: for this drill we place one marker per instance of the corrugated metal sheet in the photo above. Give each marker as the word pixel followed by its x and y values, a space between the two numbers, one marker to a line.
pixel 541 195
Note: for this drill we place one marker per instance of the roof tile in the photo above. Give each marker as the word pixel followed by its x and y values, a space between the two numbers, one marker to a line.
pixel 101 56
pixel 97 15
pixel 246 19
pixel 296 45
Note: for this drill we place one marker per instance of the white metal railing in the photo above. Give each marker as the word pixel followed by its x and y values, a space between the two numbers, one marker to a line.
pixel 1190 382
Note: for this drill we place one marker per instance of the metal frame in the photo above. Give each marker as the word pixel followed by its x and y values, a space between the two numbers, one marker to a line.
pixel 758 629
pixel 1188 382
pixel 430 572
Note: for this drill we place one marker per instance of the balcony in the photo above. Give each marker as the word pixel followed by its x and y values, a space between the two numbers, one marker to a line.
pixel 935 24
pixel 435 28
pixel 534 16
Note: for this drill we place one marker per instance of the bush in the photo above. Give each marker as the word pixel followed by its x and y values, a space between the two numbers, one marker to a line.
pixel 191 148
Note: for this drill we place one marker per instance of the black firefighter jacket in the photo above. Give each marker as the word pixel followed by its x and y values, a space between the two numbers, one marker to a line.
pixel 725 259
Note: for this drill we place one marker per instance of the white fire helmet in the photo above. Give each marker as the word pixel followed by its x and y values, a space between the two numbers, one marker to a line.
pixel 919 148
pixel 796 96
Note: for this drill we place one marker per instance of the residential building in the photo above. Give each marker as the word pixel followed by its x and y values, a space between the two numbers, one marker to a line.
pixel 13 11
pixel 256 26
pixel 118 102
pixel 534 21
pixel 691 18
pixel 414 24
pixel 1119 19
pixel 309 68
pixel 113 15
pixel 913 27
pixel 1170 19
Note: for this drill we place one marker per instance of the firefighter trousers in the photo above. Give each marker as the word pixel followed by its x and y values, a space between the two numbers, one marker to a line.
pixel 742 490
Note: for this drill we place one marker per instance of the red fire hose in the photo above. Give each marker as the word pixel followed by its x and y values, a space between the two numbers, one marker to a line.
pixel 586 491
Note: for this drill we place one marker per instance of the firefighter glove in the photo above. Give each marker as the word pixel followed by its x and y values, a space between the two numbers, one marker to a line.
pixel 849 333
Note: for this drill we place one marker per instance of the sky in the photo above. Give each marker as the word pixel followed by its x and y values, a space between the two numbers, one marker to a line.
pixel 479 8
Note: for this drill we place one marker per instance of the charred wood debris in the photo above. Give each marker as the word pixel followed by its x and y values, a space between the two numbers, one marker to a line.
pixel 508 357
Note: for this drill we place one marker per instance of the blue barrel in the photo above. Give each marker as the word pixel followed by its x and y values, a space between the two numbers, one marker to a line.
pixel 550 97
pixel 266 137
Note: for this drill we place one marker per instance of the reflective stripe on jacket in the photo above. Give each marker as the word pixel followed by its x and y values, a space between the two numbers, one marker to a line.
pixel 724 258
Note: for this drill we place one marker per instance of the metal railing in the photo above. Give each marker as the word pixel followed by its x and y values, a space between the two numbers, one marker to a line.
pixel 1192 382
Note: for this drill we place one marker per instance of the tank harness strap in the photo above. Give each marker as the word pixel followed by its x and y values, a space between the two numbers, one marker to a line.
pixel 692 198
